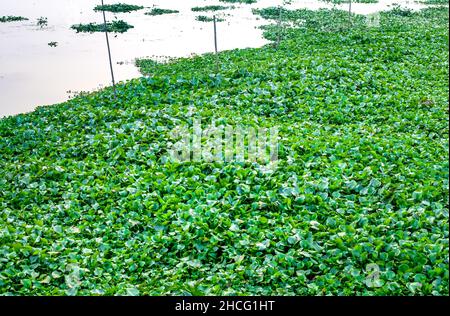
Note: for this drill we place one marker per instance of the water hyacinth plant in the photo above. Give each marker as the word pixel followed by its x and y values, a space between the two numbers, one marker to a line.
pixel 204 18
pixel 210 8
pixel 42 22
pixel 10 18
pixel 91 204
pixel 117 26
pixel 348 1
pixel 240 1
pixel 158 11
pixel 118 8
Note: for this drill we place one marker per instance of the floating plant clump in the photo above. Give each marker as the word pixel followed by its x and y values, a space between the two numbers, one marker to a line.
pixel 118 8
pixel 42 22
pixel 240 1
pixel 347 1
pixel 435 1
pixel 114 27
pixel 157 11
pixel 211 8
pixel 10 18
pixel 204 18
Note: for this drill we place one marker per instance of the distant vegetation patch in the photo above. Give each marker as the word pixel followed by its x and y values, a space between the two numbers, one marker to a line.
pixel 204 18
pixel 10 18
pixel 114 27
pixel 313 18
pixel 347 1
pixel 435 1
pixel 157 11
pixel 211 8
pixel 148 64
pixel 400 11
pixel 42 22
pixel 323 20
pixel 118 8
pixel 240 1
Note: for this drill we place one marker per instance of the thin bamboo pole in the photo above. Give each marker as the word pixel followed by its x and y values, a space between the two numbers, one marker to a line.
pixel 215 34
pixel 109 52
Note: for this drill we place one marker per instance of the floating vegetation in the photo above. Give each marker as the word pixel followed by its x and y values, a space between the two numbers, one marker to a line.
pixel 118 8
pixel 240 1
pixel 148 64
pixel 401 11
pixel 204 18
pixel 435 1
pixel 53 44
pixel 113 27
pixel 211 8
pixel 42 22
pixel 348 1
pixel 87 194
pixel 321 20
pixel 10 18
pixel 273 13
pixel 158 11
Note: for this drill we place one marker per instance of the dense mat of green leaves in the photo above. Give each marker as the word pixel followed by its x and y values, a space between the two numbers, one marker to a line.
pixel 10 18
pixel 362 178
pixel 118 8
pixel 116 26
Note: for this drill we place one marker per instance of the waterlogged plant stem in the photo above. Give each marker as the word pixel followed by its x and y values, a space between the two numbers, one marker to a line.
pixel 109 51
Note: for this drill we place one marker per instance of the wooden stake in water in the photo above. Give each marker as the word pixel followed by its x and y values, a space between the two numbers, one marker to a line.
pixel 216 56
pixel 109 52
pixel 280 12
pixel 215 34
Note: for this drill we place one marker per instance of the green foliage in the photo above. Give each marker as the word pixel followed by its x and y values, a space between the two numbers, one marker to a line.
pixel 118 26
pixel 204 18
pixel 322 20
pixel 118 8
pixel 348 1
pixel 158 11
pixel 210 8
pixel 400 11
pixel 306 17
pixel 10 18
pixel 89 205
pixel 240 1
pixel 42 22
pixel 435 1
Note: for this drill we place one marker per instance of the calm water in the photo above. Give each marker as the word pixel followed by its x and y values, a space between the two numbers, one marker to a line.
pixel 33 73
